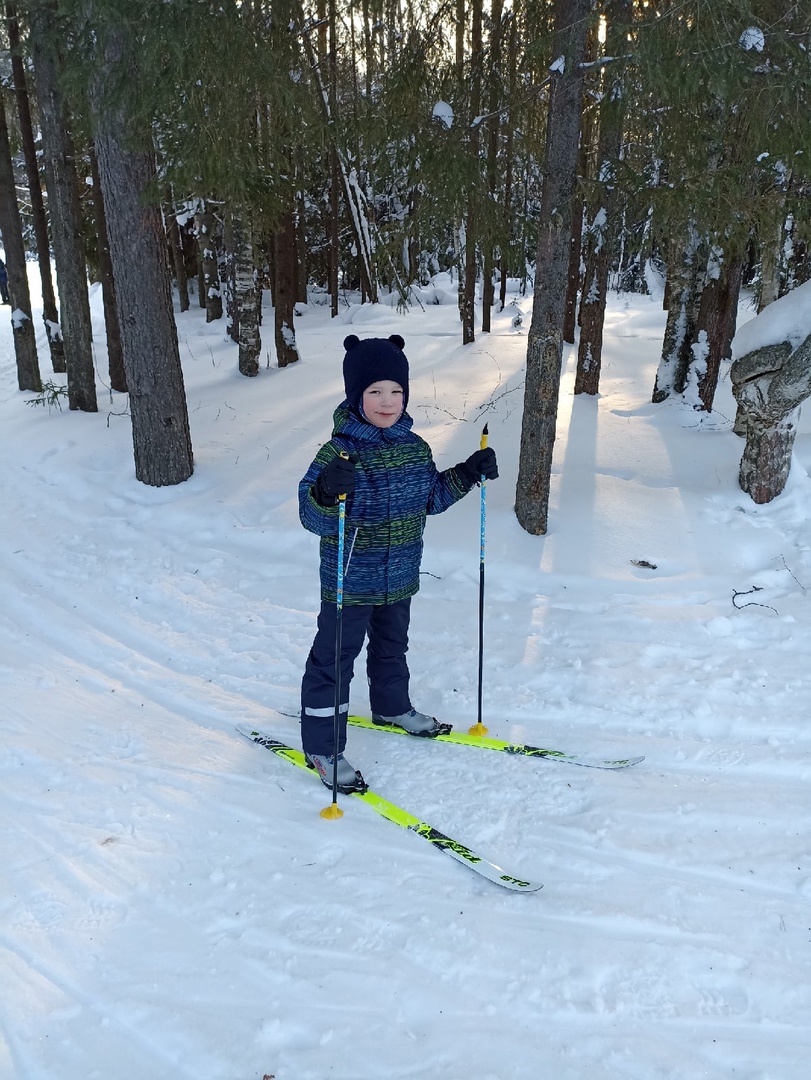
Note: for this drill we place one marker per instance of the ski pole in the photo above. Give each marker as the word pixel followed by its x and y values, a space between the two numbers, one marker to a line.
pixel 479 728
pixel 334 811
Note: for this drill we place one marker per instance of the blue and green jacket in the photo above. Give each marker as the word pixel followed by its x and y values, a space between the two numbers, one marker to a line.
pixel 396 486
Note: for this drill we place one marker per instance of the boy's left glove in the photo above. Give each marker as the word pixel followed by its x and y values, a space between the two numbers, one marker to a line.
pixel 480 464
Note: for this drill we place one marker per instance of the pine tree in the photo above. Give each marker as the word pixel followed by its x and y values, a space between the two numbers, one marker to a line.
pixel 63 200
pixel 25 346
pixel 603 225
pixel 160 423
pixel 545 341
pixel 50 315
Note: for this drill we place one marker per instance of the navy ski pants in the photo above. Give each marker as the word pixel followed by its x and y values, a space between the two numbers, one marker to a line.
pixel 386 626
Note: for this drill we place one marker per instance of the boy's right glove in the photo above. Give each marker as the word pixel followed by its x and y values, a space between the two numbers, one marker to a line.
pixel 480 464
pixel 337 478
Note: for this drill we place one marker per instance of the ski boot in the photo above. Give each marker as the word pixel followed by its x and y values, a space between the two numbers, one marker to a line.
pixel 413 723
pixel 349 779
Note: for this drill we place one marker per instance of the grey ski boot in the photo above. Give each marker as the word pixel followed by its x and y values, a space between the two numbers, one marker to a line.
pixel 413 723
pixel 349 778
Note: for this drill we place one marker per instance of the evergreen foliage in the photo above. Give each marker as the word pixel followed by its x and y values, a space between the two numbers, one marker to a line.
pixel 370 143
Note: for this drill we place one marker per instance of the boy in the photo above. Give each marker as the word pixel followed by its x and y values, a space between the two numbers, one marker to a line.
pixel 391 483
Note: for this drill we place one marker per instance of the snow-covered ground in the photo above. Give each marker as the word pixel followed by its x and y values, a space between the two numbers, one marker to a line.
pixel 172 905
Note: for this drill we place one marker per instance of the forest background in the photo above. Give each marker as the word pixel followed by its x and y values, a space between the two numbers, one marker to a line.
pixel 220 148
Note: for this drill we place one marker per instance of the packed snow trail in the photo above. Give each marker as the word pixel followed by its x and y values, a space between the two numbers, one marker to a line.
pixel 173 906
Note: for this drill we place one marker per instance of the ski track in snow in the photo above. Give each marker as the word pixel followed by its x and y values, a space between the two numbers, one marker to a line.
pixel 173 905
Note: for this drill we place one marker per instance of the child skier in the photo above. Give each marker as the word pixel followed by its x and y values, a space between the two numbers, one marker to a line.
pixel 391 483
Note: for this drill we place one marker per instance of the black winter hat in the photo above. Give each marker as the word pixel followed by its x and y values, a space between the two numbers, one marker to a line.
pixel 369 361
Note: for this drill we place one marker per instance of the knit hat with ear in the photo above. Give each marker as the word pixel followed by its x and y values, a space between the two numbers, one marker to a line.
pixel 370 361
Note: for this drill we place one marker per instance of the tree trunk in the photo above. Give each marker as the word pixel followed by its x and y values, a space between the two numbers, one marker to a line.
pixel 201 274
pixel 284 296
pixel 324 49
pixel 468 288
pixel 771 257
pixel 412 248
pixel 228 284
pixel 246 296
pixel 684 271
pixel 573 272
pixel 603 212
pixel 50 315
pixel 301 248
pixel 115 356
pixel 766 460
pixel 160 421
pixel 25 345
pixel 545 340
pixel 176 247
pixel 333 233
pixel 493 125
pixel 208 258
pixel 472 216
pixel 65 211
pixel 715 329
pixel 587 150
pixel 769 384
pixel 505 262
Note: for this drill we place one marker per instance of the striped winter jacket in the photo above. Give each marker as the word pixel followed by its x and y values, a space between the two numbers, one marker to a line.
pixel 396 486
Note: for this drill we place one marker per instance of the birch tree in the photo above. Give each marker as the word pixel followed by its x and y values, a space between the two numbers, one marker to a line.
pixel 246 295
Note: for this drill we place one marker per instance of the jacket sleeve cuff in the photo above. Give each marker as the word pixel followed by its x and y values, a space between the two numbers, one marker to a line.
pixel 465 475
pixel 321 497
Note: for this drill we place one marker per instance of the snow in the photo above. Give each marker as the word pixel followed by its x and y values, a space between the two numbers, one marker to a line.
pixel 786 319
pixel 443 112
pixel 173 905
pixel 752 38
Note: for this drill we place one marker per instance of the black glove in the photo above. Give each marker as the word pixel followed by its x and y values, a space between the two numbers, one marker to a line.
pixel 480 464
pixel 337 478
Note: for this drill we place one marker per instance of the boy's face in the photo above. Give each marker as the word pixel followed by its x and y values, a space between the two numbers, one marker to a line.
pixel 383 403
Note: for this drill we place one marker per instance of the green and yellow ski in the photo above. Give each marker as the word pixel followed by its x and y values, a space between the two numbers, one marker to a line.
pixel 485 742
pixel 460 852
